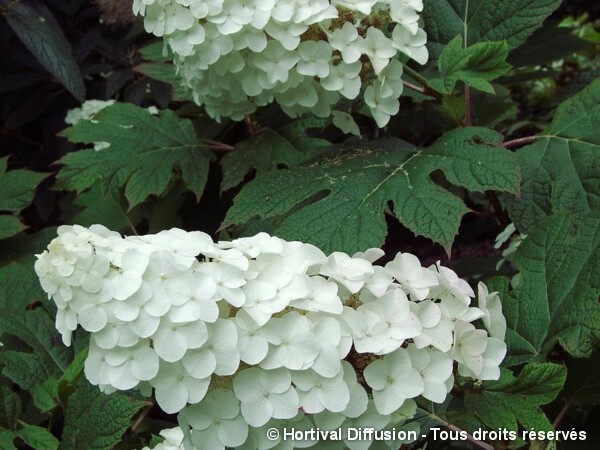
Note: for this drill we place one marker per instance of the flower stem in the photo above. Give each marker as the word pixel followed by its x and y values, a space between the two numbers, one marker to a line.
pixel 423 82
pixel 416 76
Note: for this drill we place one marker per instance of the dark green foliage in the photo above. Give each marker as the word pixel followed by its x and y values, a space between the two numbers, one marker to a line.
pixel 501 404
pixel 560 170
pixel 337 202
pixel 96 421
pixel 476 65
pixel 43 358
pixel 262 152
pixel 143 155
pixel 557 298
pixel 501 125
pixel 484 20
pixel 17 188
pixel 37 28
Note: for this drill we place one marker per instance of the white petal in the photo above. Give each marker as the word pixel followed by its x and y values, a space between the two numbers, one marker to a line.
pixel 145 364
pixel 170 348
pixel 172 400
pixel 92 318
pixel 126 311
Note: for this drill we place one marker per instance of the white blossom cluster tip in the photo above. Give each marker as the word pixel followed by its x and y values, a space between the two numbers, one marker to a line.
pixel 173 440
pixel 237 55
pixel 260 332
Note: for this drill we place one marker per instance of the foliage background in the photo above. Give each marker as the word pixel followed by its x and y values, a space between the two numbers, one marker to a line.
pixel 307 180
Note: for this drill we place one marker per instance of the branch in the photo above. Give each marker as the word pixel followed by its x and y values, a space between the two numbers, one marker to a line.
pixel 520 141
pixel 470 437
pixel 414 87
pixel 217 146
pixel 501 216
pixel 468 115
pixel 147 407
pixel 561 415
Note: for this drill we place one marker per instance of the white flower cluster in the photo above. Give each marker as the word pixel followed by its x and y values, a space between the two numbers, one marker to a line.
pixel 258 332
pixel 86 111
pixel 237 55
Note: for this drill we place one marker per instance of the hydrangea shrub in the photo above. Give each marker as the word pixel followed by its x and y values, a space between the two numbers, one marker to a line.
pixel 235 338
pixel 244 335
pixel 305 55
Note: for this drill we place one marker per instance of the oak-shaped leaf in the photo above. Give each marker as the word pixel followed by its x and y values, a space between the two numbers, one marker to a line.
pixel 146 152
pixel 337 201
pixel 556 301
pixel 561 168
pixel 512 401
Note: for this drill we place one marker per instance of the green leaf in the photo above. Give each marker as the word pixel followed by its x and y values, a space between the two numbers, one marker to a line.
pixel 10 226
pixel 17 187
pixel 345 122
pixel 23 247
pixel 45 395
pixel 162 69
pixel 164 213
pixel 36 27
pixel 557 299
pixel 105 210
pixel 75 369
pixel 48 357
pixel 145 152
pixel 298 132
pixel 38 438
pixel 504 403
pixel 338 201
pixel 262 152
pixel 68 382
pixel 156 51
pixel 6 440
pixel 476 65
pixel 454 107
pixel 96 421
pixel 22 368
pixel 560 170
pixel 165 72
pixel 10 407
pixel 19 287
pixel 155 440
pixel 483 20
